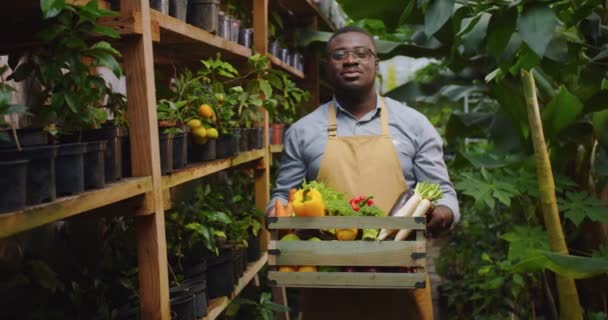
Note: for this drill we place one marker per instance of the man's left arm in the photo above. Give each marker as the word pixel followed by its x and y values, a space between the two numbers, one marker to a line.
pixel 430 166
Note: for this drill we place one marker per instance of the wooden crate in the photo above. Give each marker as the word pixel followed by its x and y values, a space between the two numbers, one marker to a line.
pixel 388 253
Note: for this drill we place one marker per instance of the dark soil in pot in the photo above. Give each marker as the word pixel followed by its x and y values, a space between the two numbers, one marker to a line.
pixel 94 165
pixel 27 137
pixel 220 273
pixel 40 171
pixel 13 181
pixel 227 146
pixel 204 14
pixel 183 306
pixel 113 154
pixel 180 150
pixel 69 168
pixel 253 248
pixel 166 152
pixel 178 9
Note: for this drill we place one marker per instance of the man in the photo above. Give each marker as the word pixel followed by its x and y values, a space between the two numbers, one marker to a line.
pixel 363 144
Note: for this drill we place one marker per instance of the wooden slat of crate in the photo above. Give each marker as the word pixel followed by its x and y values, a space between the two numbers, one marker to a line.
pixel 347 253
pixel 347 222
pixel 347 280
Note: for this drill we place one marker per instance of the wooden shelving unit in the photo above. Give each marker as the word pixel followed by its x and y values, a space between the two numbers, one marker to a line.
pixel 276 62
pixel 218 305
pixel 204 169
pixel 150 38
pixel 65 207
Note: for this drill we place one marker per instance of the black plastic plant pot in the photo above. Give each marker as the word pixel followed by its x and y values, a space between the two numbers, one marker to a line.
pixel 205 152
pixel 166 152
pixel 246 37
pixel 204 14
pixel 69 169
pixel 179 156
pixel 178 9
pixel 244 140
pixel 94 165
pixel 227 146
pixel 196 271
pixel 160 5
pixel 256 138
pixel 126 157
pixel 27 137
pixel 253 248
pixel 220 274
pixel 113 154
pixel 244 259
pixel 236 265
pixel 198 288
pixel 183 306
pixel 40 171
pixel 13 184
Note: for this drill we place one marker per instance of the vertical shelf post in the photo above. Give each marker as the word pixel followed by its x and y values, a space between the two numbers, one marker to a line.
pixel 145 161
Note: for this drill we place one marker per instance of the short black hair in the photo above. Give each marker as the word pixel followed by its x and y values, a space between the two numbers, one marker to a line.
pixel 348 29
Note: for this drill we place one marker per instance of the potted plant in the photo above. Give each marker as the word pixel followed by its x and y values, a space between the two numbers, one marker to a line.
pixel 263 309
pixel 72 95
pixel 216 76
pixel 170 118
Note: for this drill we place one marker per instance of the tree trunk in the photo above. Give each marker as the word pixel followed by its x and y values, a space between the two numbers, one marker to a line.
pixel 569 304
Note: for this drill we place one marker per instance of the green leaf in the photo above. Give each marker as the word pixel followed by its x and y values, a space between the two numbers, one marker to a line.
pixel 407 11
pixel 107 60
pixel 536 26
pixel 266 88
pixel 70 100
pixel 500 30
pixel 600 126
pixel 473 38
pixel 51 8
pixel 524 239
pixel 580 205
pixel 575 267
pixel 106 31
pixel 562 111
pixel 436 15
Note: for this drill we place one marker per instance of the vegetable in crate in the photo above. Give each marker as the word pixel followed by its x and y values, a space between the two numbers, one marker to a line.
pixel 416 206
pixel 308 202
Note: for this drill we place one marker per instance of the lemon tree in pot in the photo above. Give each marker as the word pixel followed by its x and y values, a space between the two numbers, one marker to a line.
pixel 72 94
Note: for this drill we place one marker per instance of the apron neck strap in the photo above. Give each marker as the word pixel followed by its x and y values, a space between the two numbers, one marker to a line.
pixel 332 127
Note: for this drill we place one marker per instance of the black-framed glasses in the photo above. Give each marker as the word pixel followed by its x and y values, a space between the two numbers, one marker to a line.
pixel 361 53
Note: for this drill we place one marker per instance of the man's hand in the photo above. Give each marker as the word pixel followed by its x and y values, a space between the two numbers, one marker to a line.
pixel 270 212
pixel 439 220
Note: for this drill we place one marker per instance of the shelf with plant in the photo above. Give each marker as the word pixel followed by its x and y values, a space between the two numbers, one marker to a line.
pixel 213 237
pixel 184 42
pixel 303 8
pixel 72 144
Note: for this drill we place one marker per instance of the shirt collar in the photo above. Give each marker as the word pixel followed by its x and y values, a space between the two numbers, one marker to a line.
pixel 373 113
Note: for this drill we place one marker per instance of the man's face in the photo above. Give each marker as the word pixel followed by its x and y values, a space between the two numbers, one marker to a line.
pixel 352 62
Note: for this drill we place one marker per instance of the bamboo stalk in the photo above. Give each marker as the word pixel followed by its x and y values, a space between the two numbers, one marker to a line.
pixel 569 304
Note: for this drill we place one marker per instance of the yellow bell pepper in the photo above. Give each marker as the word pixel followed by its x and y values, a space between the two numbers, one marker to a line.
pixel 308 203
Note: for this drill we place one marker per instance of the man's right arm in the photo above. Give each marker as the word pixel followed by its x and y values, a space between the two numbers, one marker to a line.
pixel 291 171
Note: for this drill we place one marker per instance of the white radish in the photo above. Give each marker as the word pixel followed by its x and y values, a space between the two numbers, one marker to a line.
pixel 406 211
pixel 421 210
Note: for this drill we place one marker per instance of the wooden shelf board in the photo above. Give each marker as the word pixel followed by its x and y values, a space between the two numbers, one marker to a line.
pixel 301 8
pixel 206 168
pixel 188 42
pixel 64 207
pixel 276 148
pixel 279 63
pixel 218 305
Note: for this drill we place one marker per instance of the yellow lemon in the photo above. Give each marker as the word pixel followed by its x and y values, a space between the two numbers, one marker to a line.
pixel 288 269
pixel 346 234
pixel 307 269
pixel 212 133
pixel 194 123
pixel 199 132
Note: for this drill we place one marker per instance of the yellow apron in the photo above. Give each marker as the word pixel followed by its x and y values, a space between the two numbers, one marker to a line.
pixel 356 166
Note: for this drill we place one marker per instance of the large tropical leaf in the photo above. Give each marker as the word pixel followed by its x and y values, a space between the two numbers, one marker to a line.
pixel 388 11
pixel 575 267
pixel 536 25
pixel 600 125
pixel 523 240
pixel 436 15
pixel 500 30
pixel 562 111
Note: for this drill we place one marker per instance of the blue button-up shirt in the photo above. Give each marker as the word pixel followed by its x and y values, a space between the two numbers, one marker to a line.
pixel 416 141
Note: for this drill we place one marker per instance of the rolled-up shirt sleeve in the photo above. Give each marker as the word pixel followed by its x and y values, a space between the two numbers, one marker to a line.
pixel 430 166
pixel 292 169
